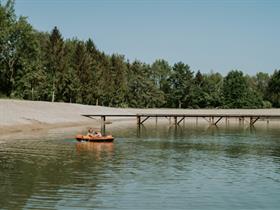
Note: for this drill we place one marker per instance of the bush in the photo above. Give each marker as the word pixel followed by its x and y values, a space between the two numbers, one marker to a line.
pixel 267 104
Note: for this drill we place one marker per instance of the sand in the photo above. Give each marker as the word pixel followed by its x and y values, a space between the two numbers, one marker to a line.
pixel 21 115
pixel 27 116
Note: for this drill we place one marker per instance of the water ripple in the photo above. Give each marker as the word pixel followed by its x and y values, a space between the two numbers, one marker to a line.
pixel 160 169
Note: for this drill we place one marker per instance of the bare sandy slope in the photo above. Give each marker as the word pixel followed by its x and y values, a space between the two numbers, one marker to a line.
pixel 20 115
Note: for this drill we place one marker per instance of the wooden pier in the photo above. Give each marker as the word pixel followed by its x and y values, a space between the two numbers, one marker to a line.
pixel 213 119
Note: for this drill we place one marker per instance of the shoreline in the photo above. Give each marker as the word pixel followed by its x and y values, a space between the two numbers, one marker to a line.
pixel 20 116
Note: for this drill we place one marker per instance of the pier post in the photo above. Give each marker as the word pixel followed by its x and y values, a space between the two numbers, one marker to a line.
pixel 138 120
pixel 138 133
pixel 175 120
pixel 103 120
pixel 227 121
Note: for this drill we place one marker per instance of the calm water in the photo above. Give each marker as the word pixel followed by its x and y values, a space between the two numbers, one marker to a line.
pixel 156 168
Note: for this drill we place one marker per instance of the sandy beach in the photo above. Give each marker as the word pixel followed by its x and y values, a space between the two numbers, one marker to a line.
pixel 27 116
pixel 20 115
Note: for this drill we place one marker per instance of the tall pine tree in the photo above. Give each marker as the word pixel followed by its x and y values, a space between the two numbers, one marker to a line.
pixel 56 64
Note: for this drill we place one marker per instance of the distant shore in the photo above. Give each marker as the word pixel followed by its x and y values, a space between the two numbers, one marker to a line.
pixel 27 116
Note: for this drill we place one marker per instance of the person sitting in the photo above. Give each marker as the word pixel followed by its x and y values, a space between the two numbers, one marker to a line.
pixel 98 134
pixel 90 132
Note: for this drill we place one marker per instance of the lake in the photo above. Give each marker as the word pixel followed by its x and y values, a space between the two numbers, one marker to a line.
pixel 153 168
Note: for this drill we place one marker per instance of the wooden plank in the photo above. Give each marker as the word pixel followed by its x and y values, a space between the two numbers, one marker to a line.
pixel 180 120
pixel 218 120
pixel 252 120
pixel 144 120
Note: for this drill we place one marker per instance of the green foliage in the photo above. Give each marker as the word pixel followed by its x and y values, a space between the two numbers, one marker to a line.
pixel 238 94
pixel 267 104
pixel 181 80
pixel 261 83
pixel 119 80
pixel 56 66
pixel 20 67
pixel 160 74
pixel 207 91
pixel 273 89
pixel 8 40
pixel 81 65
pixel 142 89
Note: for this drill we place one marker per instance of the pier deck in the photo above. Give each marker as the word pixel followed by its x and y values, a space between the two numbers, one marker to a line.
pixel 178 118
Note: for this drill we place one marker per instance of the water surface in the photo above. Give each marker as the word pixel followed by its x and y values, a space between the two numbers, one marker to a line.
pixel 154 168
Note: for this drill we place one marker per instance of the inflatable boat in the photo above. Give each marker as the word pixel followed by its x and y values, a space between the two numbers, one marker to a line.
pixel 107 138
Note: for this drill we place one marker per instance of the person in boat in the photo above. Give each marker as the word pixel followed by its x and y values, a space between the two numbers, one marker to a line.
pixel 91 133
pixel 98 134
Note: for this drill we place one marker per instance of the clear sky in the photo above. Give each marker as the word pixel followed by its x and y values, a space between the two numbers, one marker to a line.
pixel 207 35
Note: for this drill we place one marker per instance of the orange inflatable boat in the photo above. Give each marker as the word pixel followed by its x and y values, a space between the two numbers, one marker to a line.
pixel 107 138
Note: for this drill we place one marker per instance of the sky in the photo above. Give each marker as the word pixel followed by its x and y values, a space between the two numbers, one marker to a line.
pixel 207 35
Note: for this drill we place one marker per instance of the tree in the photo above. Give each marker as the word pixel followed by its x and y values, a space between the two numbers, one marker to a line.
pixel 213 84
pixel 56 64
pixel 82 67
pixel 8 43
pixel 105 80
pixel 181 80
pixel 273 89
pixel 142 91
pixel 200 97
pixel 29 74
pixel 237 93
pixel 21 72
pixel 262 83
pixel 119 74
pixel 160 72
pixel 31 84
pixel 207 90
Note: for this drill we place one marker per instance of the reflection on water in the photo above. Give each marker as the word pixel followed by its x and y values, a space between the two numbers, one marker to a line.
pixel 151 168
pixel 96 149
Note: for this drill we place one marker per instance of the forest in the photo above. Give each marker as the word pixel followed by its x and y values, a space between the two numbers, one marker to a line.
pixel 44 66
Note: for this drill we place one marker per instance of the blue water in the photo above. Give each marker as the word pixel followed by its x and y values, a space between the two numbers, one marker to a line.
pixel 154 168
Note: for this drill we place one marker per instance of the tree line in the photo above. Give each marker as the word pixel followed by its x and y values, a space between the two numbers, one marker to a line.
pixel 44 66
